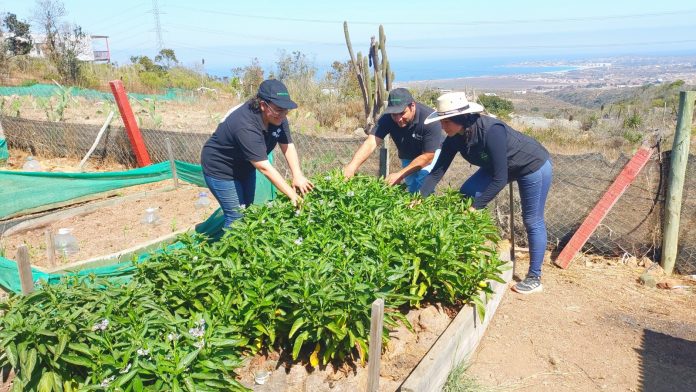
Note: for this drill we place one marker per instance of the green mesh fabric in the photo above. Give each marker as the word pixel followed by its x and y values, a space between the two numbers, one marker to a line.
pixel 48 90
pixel 21 191
pixel 4 154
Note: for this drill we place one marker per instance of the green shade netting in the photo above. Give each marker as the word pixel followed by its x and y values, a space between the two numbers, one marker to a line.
pixel 40 188
pixel 4 154
pixel 49 90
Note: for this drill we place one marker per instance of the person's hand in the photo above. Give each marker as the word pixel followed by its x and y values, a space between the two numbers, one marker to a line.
pixel 348 171
pixel 296 201
pixel 302 184
pixel 393 179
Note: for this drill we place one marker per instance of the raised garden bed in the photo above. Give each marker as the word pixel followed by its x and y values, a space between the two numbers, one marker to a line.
pixel 296 282
pixel 109 227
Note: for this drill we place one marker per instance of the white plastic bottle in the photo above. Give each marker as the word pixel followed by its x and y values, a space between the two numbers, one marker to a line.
pixel 31 165
pixel 151 217
pixel 203 201
pixel 65 243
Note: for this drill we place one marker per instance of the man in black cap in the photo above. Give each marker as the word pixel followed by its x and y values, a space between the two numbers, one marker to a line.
pixel 418 144
pixel 240 145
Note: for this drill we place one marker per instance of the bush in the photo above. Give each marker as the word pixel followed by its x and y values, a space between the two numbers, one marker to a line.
pixel 499 106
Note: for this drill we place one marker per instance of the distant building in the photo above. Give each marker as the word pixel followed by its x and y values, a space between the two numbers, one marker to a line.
pixel 86 51
pixel 490 94
pixel 519 92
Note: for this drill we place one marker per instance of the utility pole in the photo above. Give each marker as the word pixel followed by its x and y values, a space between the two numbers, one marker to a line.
pixel 158 27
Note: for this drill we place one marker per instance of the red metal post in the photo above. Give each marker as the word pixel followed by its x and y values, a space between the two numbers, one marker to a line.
pixel 602 208
pixel 134 135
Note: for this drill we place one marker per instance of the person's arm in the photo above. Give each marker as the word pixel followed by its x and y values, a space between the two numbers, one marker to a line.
pixel 368 146
pixel 299 181
pixel 449 150
pixel 276 179
pixel 416 164
pixel 496 147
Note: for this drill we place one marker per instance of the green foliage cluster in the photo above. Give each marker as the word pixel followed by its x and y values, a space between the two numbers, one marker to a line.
pixel 501 107
pixel 300 280
pixel 95 335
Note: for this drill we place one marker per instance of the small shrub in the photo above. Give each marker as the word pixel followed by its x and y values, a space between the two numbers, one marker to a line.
pixel 633 121
pixel 28 83
pixel 632 136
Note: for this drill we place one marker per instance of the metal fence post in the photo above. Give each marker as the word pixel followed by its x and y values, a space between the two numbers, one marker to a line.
pixel 384 158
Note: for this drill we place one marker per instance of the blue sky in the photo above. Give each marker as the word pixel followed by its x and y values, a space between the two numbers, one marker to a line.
pixel 229 34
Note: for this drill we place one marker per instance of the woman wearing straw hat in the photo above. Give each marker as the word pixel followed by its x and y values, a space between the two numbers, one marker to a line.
pixel 503 155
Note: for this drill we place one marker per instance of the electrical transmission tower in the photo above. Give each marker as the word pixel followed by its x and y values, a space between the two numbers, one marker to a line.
pixel 158 27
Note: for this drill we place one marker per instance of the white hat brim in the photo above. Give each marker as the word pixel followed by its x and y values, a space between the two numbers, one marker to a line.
pixel 436 116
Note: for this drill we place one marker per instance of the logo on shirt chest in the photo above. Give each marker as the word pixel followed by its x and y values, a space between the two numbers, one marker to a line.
pixel 483 156
pixel 416 136
pixel 276 133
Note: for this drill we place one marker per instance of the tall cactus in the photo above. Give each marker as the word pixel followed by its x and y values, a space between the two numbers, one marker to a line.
pixel 374 88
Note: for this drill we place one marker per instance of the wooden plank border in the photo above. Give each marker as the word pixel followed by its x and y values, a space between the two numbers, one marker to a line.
pixel 458 342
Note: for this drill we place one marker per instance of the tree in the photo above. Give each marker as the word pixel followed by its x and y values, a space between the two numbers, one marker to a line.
pixel 18 38
pixel 64 42
pixel 168 56
pixel 250 77
pixel 294 66
pixel 147 64
pixel 48 14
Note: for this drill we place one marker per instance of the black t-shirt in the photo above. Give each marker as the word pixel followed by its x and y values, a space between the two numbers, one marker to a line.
pixel 239 140
pixel 415 138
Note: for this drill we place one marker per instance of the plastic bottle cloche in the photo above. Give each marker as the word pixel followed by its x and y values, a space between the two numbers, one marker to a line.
pixel 151 217
pixel 65 243
pixel 31 164
pixel 203 200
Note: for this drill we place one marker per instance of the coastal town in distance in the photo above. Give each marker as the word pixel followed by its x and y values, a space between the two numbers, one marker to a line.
pixel 596 73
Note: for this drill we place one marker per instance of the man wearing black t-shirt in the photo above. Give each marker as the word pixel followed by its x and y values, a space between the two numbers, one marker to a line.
pixel 418 144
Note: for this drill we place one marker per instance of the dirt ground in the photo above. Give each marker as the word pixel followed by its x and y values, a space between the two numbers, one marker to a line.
pixel 117 227
pixel 399 357
pixel 595 327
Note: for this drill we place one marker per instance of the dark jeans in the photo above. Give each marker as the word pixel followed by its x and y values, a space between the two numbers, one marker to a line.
pixel 533 188
pixel 233 195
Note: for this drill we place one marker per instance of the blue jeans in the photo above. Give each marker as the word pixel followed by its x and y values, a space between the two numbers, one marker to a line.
pixel 533 188
pixel 415 180
pixel 232 195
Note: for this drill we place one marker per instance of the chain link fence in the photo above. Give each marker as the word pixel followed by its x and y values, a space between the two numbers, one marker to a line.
pixel 632 227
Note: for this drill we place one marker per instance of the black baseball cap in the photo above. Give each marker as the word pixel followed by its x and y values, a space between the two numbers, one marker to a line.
pixel 398 99
pixel 274 91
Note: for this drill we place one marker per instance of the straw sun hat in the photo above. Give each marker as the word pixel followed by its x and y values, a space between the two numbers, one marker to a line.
pixel 453 104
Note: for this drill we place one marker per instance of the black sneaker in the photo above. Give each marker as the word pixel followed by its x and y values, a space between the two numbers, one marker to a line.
pixel 530 284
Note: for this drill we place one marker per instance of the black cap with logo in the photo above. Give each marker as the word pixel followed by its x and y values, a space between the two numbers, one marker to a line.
pixel 399 98
pixel 275 92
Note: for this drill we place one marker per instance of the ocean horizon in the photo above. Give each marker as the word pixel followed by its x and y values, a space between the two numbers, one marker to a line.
pixel 418 70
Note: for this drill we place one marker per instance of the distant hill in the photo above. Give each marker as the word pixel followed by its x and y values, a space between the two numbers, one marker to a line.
pixel 654 95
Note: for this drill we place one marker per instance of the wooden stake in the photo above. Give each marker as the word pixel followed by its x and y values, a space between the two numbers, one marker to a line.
pixel 374 357
pixel 677 172
pixel 50 249
pixel 26 278
pixel 96 140
pixel 172 163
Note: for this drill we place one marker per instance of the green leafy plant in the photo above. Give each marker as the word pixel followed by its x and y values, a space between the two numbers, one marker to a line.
pixel 295 280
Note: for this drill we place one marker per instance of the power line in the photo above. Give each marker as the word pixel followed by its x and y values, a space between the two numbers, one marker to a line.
pixel 445 23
